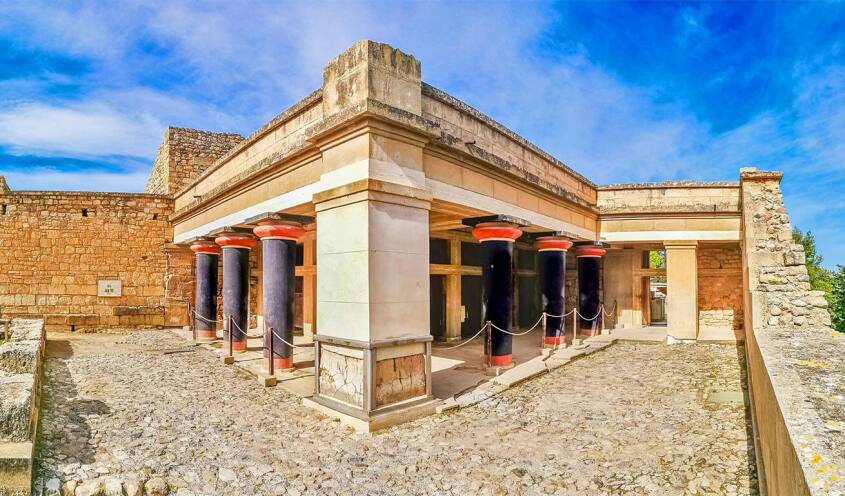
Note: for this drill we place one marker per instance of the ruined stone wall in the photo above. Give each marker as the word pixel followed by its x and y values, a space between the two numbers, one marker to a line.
pixel 272 142
pixel 57 245
pixel 795 360
pixel 184 155
pixel 720 287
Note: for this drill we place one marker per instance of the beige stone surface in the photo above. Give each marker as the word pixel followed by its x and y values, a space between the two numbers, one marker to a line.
pixel 682 279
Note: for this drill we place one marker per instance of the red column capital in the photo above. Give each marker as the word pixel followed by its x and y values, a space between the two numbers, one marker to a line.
pixel 207 247
pixel 236 241
pixel 589 251
pixel 496 231
pixel 552 243
pixel 279 229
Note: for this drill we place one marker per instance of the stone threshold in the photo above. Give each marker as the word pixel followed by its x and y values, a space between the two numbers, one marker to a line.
pixel 543 364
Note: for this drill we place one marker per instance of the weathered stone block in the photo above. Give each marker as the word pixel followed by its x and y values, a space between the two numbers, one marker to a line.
pixel 399 379
pixel 16 393
pixel 19 357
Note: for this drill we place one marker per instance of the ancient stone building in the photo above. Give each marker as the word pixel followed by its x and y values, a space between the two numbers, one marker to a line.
pixel 380 213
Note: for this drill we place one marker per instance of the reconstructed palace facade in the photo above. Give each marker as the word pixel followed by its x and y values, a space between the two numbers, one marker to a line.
pixel 379 215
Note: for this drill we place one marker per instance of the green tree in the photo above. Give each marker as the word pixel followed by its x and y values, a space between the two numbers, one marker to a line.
pixel 821 279
pixel 836 301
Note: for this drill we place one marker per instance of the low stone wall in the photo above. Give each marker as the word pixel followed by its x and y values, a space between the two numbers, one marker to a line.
pixel 796 362
pixel 20 383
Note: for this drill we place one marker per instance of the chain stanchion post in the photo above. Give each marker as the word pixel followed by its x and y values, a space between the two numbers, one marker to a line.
pixel 6 332
pixel 192 322
pixel 601 319
pixel 488 344
pixel 227 329
pixel 270 363
pixel 574 327
pixel 543 334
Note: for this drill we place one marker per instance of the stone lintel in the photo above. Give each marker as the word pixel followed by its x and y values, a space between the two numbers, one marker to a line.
pixel 270 216
pixel 510 219
pixel 374 186
pixel 752 174
pixel 230 230
pixel 681 243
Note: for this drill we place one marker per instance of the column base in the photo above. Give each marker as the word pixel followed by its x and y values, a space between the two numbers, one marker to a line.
pixel 205 336
pixel 238 347
pixel 283 364
pixel 589 332
pixel 377 420
pixel 555 340
pixel 494 370
pixel 365 379
pixel 500 360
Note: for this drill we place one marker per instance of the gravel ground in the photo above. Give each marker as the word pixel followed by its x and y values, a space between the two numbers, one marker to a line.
pixel 634 419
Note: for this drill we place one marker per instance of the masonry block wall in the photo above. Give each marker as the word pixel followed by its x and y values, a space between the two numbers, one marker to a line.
pixel 184 155
pixel 720 287
pixel 57 245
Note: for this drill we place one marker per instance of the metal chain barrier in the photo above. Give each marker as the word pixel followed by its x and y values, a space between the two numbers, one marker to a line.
pixel 518 333
pixel 468 340
pixel 210 321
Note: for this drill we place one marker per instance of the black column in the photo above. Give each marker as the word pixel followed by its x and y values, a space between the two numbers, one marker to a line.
pixel 205 297
pixel 236 285
pixel 553 283
pixel 497 295
pixel 589 259
pixel 279 280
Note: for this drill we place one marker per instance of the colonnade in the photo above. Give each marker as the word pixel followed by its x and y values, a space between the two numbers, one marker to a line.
pixel 278 234
pixel 497 235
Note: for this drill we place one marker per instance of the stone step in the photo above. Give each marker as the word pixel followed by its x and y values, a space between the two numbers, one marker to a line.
pixel 16 407
pixel 19 357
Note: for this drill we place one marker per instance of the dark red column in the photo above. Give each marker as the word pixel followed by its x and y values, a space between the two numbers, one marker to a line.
pixel 552 259
pixel 236 285
pixel 589 304
pixel 205 296
pixel 278 251
pixel 497 240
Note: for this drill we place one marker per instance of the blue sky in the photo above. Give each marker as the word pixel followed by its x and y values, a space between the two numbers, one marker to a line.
pixel 621 92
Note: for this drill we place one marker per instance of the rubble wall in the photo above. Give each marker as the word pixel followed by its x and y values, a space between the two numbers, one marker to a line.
pixel 58 245
pixel 720 287
pixel 184 155
pixel 796 362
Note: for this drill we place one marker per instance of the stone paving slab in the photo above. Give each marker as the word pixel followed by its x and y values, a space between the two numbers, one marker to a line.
pixel 631 420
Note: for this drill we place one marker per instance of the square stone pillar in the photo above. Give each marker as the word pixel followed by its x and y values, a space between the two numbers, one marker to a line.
pixel 682 286
pixel 374 345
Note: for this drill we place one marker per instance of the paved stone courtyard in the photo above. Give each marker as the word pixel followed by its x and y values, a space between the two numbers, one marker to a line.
pixel 634 419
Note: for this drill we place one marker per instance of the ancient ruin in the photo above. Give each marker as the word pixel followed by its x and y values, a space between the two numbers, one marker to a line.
pixel 387 252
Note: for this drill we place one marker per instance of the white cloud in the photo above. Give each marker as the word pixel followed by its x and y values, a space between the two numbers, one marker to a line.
pixel 81 129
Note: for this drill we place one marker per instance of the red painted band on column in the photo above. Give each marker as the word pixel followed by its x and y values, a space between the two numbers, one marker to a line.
pixel 555 339
pixel 283 363
pixel 239 346
pixel 589 251
pixel 236 241
pixel 501 360
pixel 209 248
pixel 279 231
pixel 205 334
pixel 493 231
pixel 589 332
pixel 547 244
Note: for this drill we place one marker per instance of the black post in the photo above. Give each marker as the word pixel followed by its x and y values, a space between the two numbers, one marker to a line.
pixel 552 258
pixel 589 259
pixel 279 281
pixel 236 286
pixel 205 297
